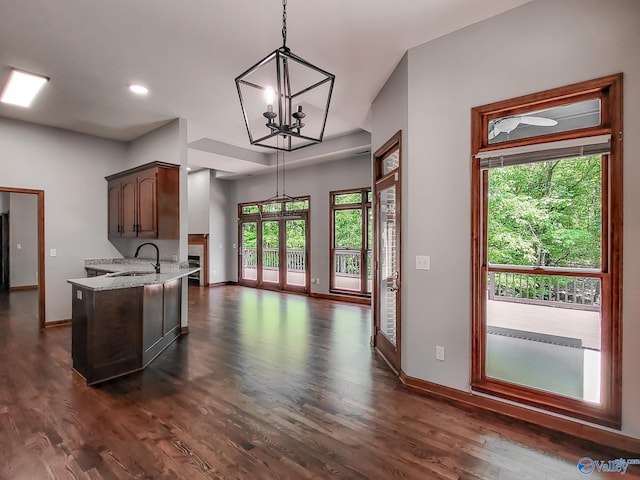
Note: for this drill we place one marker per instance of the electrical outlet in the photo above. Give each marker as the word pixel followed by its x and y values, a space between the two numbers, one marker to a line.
pixel 174 258
pixel 317 281
pixel 423 262
pixel 440 353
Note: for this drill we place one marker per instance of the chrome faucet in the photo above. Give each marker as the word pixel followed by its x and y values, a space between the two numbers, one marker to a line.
pixel 157 265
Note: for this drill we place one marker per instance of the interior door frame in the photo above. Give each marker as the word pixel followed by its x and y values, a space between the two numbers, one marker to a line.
pixel 41 258
pixel 391 354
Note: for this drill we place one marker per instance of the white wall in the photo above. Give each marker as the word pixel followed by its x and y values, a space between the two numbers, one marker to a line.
pixel 70 168
pixel 317 181
pixel 23 231
pixel 199 185
pixel 541 45
pixel 223 206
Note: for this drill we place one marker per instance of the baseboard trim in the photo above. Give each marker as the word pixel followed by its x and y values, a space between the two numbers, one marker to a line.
pixel 58 323
pixel 341 298
pixel 23 287
pixel 184 330
pixel 563 425
pixel 220 284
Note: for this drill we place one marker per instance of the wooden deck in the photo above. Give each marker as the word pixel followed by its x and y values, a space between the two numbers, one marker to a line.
pixel 298 278
pixel 563 322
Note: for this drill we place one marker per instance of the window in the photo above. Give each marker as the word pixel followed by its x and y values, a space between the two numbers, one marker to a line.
pixel 351 240
pixel 547 250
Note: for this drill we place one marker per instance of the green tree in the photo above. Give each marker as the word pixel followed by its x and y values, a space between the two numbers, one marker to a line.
pixel 546 213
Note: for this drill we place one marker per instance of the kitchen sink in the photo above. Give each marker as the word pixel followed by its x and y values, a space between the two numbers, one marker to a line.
pixel 130 274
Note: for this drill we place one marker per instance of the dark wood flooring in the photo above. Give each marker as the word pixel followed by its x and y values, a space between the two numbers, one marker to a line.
pixel 266 385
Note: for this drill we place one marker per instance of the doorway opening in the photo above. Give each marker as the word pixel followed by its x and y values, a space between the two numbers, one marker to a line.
pixel 6 246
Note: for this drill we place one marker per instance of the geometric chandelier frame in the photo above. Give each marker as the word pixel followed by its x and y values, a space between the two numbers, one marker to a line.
pixel 288 93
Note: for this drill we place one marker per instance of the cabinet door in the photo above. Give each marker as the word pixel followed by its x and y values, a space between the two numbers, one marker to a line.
pixel 129 206
pixel 147 204
pixel 115 209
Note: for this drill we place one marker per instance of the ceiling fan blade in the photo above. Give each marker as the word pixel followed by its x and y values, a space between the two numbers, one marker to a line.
pixel 538 121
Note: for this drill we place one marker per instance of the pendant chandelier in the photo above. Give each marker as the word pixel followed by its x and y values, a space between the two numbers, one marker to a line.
pixel 285 99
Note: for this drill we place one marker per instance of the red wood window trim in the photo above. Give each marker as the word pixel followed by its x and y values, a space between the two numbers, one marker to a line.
pixel 365 206
pixel 609 91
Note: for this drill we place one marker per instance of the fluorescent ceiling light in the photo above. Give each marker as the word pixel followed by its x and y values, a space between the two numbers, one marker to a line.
pixel 138 89
pixel 22 88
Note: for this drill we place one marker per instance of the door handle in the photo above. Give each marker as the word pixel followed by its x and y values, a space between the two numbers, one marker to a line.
pixel 394 289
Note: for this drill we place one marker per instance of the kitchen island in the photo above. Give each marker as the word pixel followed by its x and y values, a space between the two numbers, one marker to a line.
pixel 124 315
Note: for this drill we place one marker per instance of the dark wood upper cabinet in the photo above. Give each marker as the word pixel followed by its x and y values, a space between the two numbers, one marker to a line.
pixel 144 202
pixel 147 204
pixel 115 209
pixel 128 206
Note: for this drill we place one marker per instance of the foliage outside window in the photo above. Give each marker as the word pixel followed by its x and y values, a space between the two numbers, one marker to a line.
pixel 351 240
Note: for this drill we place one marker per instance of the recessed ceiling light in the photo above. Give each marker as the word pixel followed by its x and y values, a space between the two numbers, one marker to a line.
pixel 22 88
pixel 138 89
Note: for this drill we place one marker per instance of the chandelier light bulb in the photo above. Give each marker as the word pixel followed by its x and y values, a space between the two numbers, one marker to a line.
pixel 269 95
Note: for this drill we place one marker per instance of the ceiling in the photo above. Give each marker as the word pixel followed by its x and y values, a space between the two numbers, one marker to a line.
pixel 189 53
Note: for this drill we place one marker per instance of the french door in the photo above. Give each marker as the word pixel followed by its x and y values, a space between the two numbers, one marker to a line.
pixel 387 272
pixel 274 246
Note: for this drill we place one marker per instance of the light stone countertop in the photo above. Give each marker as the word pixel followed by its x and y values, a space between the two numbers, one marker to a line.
pixel 143 267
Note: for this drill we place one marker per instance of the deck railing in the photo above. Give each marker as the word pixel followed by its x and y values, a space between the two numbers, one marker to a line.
pixel 271 258
pixel 580 293
pixel 347 262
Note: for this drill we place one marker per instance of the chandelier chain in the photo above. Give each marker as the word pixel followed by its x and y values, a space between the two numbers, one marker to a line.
pixel 284 23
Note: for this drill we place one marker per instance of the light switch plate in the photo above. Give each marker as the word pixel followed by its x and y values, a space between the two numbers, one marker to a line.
pixel 423 262
pixel 440 353
pixel 53 252
pixel 19 246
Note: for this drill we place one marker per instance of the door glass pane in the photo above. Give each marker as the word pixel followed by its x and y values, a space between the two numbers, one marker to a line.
pixel 563 118
pixel 250 209
pixel 296 247
pixel 388 263
pixel 546 214
pixel 270 253
pixel 543 330
pixel 391 162
pixel 348 248
pixel 347 198
pixel 249 252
